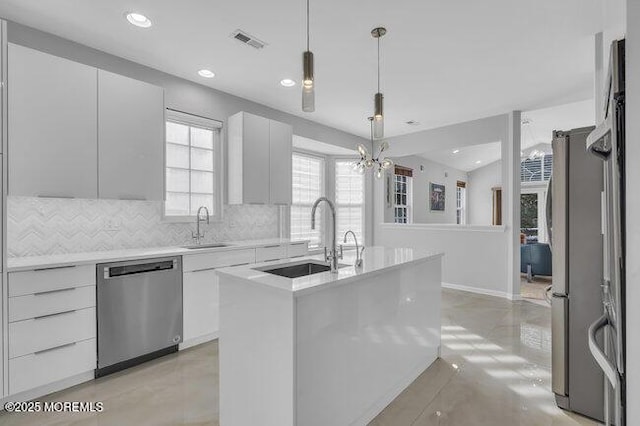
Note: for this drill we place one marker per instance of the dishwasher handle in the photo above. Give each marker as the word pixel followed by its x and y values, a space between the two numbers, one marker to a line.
pixel 139 268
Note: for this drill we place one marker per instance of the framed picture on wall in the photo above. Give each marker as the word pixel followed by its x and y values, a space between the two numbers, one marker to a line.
pixel 436 197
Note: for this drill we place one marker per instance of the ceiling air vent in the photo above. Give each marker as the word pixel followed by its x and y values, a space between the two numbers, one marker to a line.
pixel 248 39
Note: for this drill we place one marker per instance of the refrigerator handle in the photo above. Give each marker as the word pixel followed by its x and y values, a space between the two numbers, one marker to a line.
pixel 609 369
pixel 547 213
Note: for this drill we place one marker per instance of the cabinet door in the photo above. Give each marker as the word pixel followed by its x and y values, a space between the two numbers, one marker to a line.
pixel 255 161
pixel 200 303
pixel 52 126
pixel 130 138
pixel 280 141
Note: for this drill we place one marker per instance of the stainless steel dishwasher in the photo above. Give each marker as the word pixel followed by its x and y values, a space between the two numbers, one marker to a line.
pixel 139 311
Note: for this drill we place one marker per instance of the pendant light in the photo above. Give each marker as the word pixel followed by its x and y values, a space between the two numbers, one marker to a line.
pixel 308 93
pixel 367 161
pixel 378 99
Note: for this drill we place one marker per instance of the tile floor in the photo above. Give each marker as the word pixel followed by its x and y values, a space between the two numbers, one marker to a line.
pixel 494 370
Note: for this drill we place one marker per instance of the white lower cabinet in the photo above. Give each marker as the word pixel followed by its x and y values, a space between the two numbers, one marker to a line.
pixel 51 331
pixel 200 298
pixel 52 326
pixel 48 366
pixel 200 285
pixel 298 249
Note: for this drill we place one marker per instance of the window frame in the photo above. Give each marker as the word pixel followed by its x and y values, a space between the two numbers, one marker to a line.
pixel 193 120
pixel 409 195
pixel 544 171
pixel 461 210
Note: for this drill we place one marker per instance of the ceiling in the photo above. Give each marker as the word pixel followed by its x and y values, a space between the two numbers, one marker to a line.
pixel 443 62
pixel 537 129
pixel 466 158
pixel 538 125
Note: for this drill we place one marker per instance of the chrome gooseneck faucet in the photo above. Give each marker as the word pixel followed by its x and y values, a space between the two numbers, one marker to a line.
pixel 359 250
pixel 200 235
pixel 332 256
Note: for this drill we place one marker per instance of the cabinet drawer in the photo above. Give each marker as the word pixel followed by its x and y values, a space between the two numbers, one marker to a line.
pixel 221 259
pixel 33 370
pixel 52 302
pixel 38 334
pixel 274 252
pixel 41 280
pixel 298 249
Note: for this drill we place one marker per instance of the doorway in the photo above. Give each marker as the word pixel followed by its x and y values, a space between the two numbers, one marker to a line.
pixel 535 252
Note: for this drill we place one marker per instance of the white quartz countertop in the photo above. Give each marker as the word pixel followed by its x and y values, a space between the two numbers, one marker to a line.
pixel 376 260
pixel 37 262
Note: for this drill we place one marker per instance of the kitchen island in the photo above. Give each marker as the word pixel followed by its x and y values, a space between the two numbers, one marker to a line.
pixel 325 348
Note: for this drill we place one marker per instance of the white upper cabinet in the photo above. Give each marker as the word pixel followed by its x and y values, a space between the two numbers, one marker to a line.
pixel 52 126
pixel 130 138
pixel 280 143
pixel 248 159
pixel 259 168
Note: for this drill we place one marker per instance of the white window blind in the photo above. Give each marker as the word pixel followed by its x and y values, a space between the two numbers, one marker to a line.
pixel 308 186
pixel 349 197
pixel 192 171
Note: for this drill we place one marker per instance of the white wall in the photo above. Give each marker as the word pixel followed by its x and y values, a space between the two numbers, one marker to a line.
pixel 461 243
pixel 436 173
pixel 633 209
pixel 474 257
pixel 480 194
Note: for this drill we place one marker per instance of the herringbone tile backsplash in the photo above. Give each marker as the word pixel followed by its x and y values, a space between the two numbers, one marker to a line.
pixel 44 226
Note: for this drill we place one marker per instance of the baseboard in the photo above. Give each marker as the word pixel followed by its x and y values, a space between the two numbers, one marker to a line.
pixel 48 388
pixel 198 341
pixel 484 291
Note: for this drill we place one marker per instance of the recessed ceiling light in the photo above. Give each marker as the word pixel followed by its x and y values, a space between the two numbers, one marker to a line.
pixel 206 73
pixel 455 151
pixel 287 82
pixel 478 162
pixel 138 19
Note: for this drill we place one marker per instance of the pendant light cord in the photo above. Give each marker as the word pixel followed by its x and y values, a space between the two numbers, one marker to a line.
pixel 378 62
pixel 307 25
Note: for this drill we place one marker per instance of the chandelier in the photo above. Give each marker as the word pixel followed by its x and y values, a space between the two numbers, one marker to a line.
pixel 368 161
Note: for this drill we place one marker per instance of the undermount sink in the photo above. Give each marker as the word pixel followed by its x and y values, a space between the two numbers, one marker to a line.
pixel 296 270
pixel 205 246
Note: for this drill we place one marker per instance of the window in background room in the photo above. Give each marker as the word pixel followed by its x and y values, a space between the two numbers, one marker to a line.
pixel 193 171
pixel 308 185
pixel 349 199
pixel 461 203
pixel 402 181
pixel 536 169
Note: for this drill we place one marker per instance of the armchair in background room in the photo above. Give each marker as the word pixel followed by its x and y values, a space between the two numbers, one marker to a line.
pixel 535 259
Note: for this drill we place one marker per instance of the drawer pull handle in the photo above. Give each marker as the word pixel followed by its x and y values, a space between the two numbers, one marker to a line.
pixel 54 349
pixel 201 270
pixel 271 260
pixel 41 293
pixel 53 315
pixel 55 267
pixel 239 264
pixel 274 246
pixel 298 244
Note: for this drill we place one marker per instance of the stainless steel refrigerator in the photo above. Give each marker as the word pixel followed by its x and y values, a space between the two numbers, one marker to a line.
pixel 576 186
pixel 607 143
